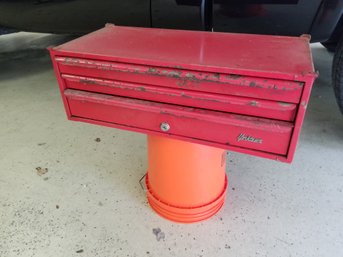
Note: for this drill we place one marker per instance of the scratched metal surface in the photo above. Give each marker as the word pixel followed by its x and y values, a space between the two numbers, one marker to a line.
pixel 226 103
pixel 232 84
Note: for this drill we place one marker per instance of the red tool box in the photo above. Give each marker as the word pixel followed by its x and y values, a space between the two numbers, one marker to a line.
pixel 246 93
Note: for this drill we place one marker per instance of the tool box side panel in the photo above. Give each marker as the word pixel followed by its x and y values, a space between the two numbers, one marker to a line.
pixel 60 81
pixel 300 117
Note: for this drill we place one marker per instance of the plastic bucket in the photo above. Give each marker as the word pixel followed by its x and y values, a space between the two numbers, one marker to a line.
pixel 186 182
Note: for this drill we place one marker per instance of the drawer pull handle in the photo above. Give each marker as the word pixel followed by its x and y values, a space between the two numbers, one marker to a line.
pixel 164 126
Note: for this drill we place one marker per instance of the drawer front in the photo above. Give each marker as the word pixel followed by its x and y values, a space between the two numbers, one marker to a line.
pixel 226 103
pixel 228 84
pixel 211 126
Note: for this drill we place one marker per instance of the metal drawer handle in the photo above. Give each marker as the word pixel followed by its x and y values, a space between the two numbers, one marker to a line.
pixel 164 126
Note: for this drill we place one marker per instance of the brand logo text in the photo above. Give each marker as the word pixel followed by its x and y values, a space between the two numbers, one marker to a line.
pixel 244 137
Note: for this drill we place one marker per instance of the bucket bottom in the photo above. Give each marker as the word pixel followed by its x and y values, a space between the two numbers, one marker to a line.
pixel 185 214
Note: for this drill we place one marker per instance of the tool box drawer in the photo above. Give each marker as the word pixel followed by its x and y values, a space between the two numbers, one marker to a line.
pixel 209 126
pixel 225 103
pixel 228 84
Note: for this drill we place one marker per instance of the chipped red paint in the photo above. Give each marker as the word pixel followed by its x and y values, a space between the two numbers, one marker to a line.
pixel 245 93
pixel 227 103
pixel 262 88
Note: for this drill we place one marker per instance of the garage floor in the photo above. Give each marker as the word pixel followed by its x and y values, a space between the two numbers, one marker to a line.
pixel 70 189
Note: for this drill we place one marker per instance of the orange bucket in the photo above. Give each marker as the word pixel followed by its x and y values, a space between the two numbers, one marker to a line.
pixel 186 182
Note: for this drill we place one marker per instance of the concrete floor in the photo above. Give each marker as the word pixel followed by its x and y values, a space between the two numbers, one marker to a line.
pixel 89 202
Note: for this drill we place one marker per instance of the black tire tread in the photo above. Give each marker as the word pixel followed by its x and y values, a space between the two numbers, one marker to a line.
pixel 331 47
pixel 337 74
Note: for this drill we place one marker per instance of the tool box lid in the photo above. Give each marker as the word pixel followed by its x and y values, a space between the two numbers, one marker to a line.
pixel 244 54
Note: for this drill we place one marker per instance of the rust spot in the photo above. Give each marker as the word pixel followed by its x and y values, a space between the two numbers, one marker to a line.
pixel 68 60
pixel 142 89
pixel 181 83
pixel 102 67
pixel 167 94
pixel 283 104
pixel 152 70
pixel 174 74
pixel 301 84
pixel 191 76
pixel 86 81
pixel 252 84
pixel 233 76
pixel 216 76
pixel 253 103
pixel 209 100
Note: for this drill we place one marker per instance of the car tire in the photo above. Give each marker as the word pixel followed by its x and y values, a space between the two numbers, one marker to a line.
pixel 331 47
pixel 337 74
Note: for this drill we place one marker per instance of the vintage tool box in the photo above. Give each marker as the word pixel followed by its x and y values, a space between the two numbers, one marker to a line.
pixel 246 93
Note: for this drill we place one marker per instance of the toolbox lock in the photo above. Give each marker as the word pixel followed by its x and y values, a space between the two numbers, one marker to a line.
pixel 164 126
